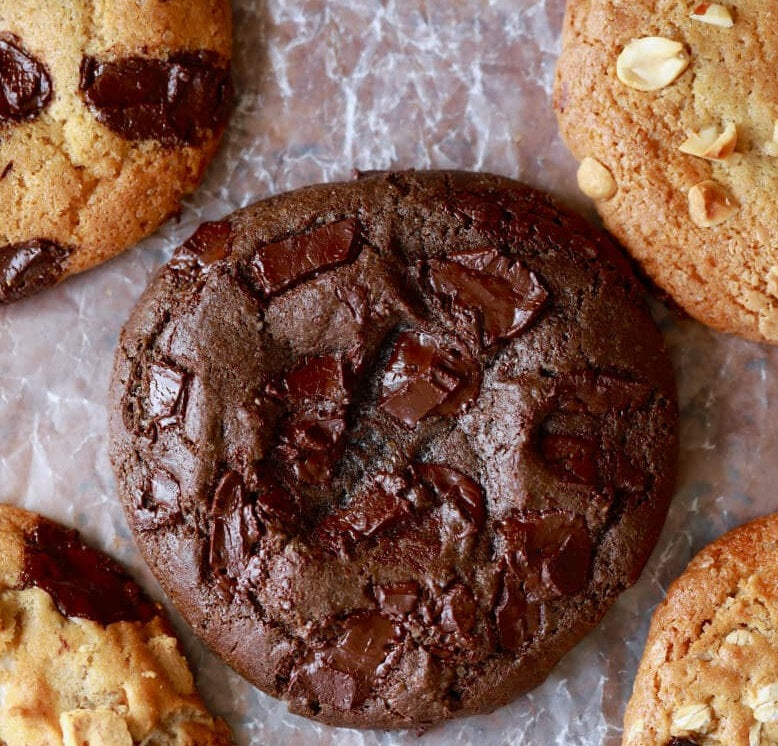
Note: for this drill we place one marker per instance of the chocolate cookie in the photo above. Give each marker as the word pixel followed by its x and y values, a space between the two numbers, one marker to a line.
pixel 87 658
pixel 672 110
pixel 108 117
pixel 709 673
pixel 393 446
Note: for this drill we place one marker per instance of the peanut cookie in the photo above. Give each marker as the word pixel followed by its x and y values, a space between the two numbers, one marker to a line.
pixel 86 657
pixel 393 446
pixel 109 114
pixel 709 673
pixel 672 109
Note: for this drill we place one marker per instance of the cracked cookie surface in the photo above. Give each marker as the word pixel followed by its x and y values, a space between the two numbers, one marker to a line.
pixel 393 446
pixel 85 657
pixel 671 108
pixel 109 114
pixel 709 673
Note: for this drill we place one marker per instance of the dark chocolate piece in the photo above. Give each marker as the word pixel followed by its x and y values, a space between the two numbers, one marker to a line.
pixel 177 101
pixel 82 581
pixel 25 84
pixel 30 266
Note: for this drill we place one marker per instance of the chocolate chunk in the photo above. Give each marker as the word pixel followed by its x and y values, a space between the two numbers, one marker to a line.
pixel 210 243
pixel 278 508
pixel 376 510
pixel 84 583
pixel 676 741
pixel 7 170
pixel 167 394
pixel 459 610
pixel 552 550
pixel 177 101
pixel 342 674
pixel 424 378
pixel 30 266
pixel 397 599
pixel 572 458
pixel 25 84
pixel 284 263
pixel 496 293
pixel 450 484
pixel 481 211
pixel 316 394
pixel 160 503
pixel 517 618
pixel 235 527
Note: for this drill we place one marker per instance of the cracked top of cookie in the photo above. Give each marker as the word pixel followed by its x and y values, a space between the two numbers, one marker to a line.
pixel 394 445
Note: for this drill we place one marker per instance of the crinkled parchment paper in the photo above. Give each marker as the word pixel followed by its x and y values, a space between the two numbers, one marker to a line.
pixel 326 87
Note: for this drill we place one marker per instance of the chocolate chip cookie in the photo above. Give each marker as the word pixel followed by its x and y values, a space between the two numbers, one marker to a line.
pixel 393 446
pixel 709 673
pixel 86 657
pixel 109 114
pixel 672 110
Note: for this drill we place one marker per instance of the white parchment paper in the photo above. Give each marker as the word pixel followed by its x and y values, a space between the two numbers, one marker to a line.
pixel 326 87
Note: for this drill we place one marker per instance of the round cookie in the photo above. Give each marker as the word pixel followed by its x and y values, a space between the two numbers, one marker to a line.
pixel 672 108
pixel 709 673
pixel 109 114
pixel 87 658
pixel 393 446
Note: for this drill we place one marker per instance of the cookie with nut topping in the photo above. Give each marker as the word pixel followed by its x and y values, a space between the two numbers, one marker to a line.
pixel 709 673
pixel 672 110
pixel 109 115
pixel 393 446
pixel 87 657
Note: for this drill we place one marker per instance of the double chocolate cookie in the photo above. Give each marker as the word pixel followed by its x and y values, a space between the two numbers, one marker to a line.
pixel 393 446
pixel 109 114
pixel 86 657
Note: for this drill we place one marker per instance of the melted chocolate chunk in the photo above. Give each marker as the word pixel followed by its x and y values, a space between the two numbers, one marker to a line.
pixel 341 675
pixel 397 599
pixel 451 485
pixel 516 617
pixel 235 527
pixel 25 84
pixel 497 294
pixel 167 394
pixel 573 459
pixel 316 394
pixel 160 504
pixel 181 100
pixel 459 610
pixel 423 379
pixel 30 266
pixel 284 263
pixel 553 551
pixel 211 242
pixel 373 512
pixel 83 582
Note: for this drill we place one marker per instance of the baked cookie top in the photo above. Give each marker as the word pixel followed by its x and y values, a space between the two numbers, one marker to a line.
pixel 109 114
pixel 87 658
pixel 394 445
pixel 672 109
pixel 709 673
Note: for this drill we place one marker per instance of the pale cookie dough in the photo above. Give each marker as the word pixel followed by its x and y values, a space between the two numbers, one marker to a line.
pixel 709 673
pixel 109 114
pixel 672 107
pixel 85 658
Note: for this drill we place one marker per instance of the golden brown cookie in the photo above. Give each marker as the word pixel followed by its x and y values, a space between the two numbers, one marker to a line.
pixel 109 114
pixel 85 657
pixel 672 109
pixel 709 673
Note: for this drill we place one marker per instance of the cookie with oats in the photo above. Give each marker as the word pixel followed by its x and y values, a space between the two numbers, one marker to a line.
pixel 109 114
pixel 709 673
pixel 672 110
pixel 393 446
pixel 86 657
